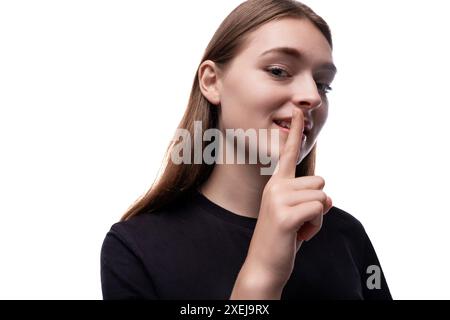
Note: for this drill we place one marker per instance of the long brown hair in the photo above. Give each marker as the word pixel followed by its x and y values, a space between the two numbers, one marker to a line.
pixel 175 181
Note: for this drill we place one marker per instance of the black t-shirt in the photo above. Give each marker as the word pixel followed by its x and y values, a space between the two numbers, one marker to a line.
pixel 194 249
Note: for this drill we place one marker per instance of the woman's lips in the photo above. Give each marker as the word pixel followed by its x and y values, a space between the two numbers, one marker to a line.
pixel 286 130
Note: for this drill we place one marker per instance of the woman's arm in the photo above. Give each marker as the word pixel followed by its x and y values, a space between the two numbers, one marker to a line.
pixel 291 211
pixel 123 275
pixel 253 283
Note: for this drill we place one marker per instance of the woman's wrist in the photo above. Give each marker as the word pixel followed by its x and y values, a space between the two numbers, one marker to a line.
pixel 254 283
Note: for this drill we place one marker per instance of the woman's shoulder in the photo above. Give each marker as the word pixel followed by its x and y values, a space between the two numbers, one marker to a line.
pixel 143 224
pixel 341 229
pixel 162 225
pixel 341 220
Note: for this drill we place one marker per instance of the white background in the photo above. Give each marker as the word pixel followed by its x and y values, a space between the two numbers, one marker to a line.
pixel 92 91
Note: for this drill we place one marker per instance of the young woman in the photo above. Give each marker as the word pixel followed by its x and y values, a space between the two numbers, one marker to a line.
pixel 224 230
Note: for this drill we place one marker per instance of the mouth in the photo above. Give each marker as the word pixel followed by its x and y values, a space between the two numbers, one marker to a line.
pixel 285 125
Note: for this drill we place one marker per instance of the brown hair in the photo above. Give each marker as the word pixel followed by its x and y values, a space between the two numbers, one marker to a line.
pixel 177 181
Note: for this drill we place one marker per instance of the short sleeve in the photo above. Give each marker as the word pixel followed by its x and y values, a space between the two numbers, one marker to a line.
pixel 374 282
pixel 123 274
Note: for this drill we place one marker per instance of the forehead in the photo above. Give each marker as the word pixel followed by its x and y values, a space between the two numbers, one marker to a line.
pixel 300 34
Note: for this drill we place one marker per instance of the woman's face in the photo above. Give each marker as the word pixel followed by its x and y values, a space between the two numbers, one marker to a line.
pixel 261 86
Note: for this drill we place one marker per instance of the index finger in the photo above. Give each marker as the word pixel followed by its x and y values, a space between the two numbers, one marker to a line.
pixel 292 147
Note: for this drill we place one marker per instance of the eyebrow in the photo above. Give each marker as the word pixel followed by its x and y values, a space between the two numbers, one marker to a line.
pixel 289 51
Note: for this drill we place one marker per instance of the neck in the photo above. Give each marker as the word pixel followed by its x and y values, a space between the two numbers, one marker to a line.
pixel 236 187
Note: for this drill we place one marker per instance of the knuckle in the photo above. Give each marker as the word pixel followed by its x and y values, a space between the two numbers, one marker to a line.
pixel 273 188
pixel 317 205
pixel 322 196
pixel 284 222
pixel 320 182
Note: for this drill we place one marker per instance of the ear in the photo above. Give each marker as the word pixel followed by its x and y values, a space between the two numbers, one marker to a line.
pixel 208 78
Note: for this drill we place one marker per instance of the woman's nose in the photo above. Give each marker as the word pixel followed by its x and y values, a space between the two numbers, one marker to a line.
pixel 305 93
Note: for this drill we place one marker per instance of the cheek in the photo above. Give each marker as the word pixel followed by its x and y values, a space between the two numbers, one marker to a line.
pixel 247 102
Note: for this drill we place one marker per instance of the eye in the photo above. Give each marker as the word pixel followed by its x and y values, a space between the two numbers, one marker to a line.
pixel 275 71
pixel 323 87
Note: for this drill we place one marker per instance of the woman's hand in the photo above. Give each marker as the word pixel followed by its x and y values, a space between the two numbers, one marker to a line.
pixel 291 211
